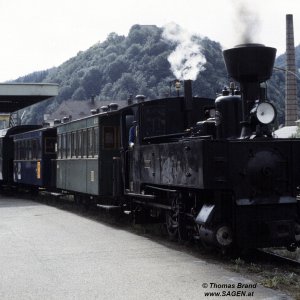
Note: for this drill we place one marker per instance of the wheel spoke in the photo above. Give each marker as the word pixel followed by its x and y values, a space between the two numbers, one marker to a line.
pixel 175 222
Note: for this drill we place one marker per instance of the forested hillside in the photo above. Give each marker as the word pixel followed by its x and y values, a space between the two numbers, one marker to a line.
pixel 136 64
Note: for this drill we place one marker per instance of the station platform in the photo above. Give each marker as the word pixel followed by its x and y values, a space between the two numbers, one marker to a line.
pixel 15 96
pixel 48 253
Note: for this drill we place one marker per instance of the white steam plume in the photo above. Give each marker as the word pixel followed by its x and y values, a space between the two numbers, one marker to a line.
pixel 186 60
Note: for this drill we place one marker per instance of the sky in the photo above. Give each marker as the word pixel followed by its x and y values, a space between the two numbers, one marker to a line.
pixel 37 35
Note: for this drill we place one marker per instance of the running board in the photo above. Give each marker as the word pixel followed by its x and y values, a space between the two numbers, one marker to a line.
pixel 143 196
pixel 109 207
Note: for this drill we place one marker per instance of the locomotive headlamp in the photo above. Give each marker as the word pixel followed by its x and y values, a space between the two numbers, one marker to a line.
pixel 265 112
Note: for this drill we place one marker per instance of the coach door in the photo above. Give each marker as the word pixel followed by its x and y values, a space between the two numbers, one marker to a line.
pixel 109 149
pixel 130 142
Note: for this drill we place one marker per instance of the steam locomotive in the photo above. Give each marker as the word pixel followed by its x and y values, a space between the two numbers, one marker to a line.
pixel 210 169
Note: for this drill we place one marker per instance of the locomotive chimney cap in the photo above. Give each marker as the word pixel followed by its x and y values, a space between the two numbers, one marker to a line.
pixel 249 45
pixel 250 62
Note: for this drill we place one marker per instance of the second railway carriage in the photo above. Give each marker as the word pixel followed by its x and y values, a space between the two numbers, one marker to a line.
pixel 86 149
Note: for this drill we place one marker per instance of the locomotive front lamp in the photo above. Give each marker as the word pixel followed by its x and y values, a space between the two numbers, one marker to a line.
pixel 265 113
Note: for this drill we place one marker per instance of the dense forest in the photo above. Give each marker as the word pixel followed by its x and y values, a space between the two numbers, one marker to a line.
pixel 137 64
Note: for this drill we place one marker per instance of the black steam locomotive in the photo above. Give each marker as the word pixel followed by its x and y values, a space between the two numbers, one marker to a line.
pixel 210 169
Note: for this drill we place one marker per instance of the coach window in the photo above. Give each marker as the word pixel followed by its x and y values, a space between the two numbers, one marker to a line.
pixel 15 150
pixel 18 154
pixel 96 141
pixel 84 143
pixel 69 144
pixel 79 143
pixel 39 150
pixel 34 149
pixel 59 145
pixel 25 149
pixel 90 142
pixel 76 143
pixel 25 152
pixel 73 144
pixel 38 155
pixel 21 150
pixel 29 150
pixel 64 146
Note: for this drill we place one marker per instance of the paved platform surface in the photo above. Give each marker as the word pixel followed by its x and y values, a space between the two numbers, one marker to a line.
pixel 47 253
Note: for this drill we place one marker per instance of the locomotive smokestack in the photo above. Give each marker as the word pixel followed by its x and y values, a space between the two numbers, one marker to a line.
pixel 188 94
pixel 250 62
pixel 188 98
pixel 291 113
pixel 250 65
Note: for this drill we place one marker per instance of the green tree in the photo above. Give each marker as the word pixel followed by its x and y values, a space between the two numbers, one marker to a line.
pixel 116 68
pixel 91 82
pixel 79 94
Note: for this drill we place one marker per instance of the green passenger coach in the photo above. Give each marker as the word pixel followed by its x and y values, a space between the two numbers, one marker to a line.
pixel 85 153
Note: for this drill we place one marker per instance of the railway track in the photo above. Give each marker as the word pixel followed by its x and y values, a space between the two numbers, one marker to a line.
pixel 267 256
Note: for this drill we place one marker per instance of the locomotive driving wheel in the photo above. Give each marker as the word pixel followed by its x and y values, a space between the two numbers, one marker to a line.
pixel 175 222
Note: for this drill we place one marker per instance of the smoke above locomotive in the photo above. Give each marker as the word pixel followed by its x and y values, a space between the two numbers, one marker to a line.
pixel 246 22
pixel 187 60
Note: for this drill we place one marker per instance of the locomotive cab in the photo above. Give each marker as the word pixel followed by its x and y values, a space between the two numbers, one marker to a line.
pixel 159 122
